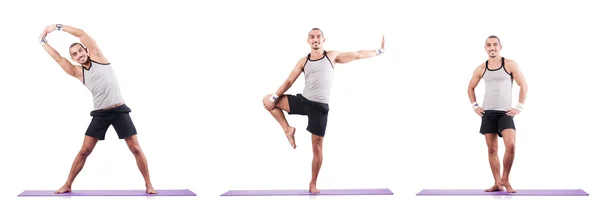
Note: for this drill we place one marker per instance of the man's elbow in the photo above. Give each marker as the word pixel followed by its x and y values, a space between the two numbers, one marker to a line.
pixel 56 57
pixel 79 33
pixel 288 83
pixel 360 55
pixel 470 89
pixel 524 88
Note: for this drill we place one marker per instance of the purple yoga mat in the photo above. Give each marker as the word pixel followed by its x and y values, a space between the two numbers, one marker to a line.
pixel 382 191
pixel 481 192
pixel 38 193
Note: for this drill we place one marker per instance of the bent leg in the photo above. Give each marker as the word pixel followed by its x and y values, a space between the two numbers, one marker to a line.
pixel 509 136
pixel 317 147
pixel 489 128
pixel 88 146
pixel 492 144
pixel 281 105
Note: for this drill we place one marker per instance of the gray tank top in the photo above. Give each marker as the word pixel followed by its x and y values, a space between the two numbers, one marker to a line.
pixel 498 88
pixel 101 80
pixel 318 76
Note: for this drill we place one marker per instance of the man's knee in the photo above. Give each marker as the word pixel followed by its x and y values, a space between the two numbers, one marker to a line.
pixel 492 143
pixel 509 139
pixel 317 149
pixel 282 103
pixel 133 145
pixel 89 143
pixel 492 148
pixel 85 151
pixel 136 150
pixel 510 146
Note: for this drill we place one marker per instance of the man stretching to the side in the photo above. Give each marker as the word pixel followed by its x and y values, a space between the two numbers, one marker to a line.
pixel 96 73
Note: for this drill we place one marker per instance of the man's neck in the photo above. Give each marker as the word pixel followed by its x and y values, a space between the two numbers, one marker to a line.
pixel 87 64
pixel 495 60
pixel 317 53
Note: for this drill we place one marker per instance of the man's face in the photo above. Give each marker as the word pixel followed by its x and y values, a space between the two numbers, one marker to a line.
pixel 315 39
pixel 493 47
pixel 78 54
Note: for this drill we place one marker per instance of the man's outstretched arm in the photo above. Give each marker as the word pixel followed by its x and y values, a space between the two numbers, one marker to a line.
pixel 90 44
pixel 346 57
pixel 63 62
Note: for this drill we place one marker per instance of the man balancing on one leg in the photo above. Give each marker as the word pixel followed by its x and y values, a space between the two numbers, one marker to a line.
pixel 96 73
pixel 313 102
pixel 497 112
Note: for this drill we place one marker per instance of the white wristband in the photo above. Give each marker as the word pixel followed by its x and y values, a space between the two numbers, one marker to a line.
pixel 474 105
pixel 274 98
pixel 59 27
pixel 520 106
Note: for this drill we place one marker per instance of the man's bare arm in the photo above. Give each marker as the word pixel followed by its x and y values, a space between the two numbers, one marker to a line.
pixel 515 70
pixel 63 62
pixel 90 44
pixel 474 82
pixel 292 77
pixel 346 57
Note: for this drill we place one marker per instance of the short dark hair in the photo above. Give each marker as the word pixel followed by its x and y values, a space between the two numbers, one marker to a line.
pixel 313 29
pixel 494 36
pixel 77 43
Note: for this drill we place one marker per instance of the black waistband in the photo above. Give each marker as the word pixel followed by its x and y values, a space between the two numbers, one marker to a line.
pixel 112 111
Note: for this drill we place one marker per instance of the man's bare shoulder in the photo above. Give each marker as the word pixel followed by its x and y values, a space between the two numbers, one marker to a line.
pixel 303 59
pixel 509 62
pixel 480 67
pixel 510 65
pixel 300 63
pixel 333 53
pixel 478 72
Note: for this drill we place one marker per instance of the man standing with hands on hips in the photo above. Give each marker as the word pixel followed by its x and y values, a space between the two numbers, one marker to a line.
pixel 96 73
pixel 318 68
pixel 497 112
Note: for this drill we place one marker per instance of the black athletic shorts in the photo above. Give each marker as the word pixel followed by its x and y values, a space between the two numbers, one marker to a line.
pixel 316 112
pixel 118 117
pixel 494 121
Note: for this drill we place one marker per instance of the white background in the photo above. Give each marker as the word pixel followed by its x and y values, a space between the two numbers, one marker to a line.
pixel 194 76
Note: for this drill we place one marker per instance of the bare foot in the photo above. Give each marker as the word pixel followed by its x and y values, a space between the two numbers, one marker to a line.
pixel 150 189
pixel 509 188
pixel 496 187
pixel 64 189
pixel 289 133
pixel 313 189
